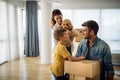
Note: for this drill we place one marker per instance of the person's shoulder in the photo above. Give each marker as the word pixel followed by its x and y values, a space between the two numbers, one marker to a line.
pixel 102 42
pixel 55 27
pixel 60 46
pixel 83 41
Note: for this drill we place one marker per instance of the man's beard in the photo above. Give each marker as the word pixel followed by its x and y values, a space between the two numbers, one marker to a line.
pixel 87 37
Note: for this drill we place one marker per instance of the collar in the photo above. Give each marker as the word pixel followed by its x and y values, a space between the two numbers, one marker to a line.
pixel 95 41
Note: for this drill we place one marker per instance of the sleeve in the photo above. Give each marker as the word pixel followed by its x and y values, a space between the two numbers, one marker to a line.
pixel 79 50
pixel 65 52
pixel 108 60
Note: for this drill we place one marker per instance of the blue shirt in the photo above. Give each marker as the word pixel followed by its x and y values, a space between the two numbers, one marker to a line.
pixel 99 51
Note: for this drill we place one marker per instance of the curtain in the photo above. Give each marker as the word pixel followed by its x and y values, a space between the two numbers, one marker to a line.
pixel 31 44
pixel 3 32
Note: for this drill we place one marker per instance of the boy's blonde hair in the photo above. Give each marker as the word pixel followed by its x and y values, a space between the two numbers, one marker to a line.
pixel 58 33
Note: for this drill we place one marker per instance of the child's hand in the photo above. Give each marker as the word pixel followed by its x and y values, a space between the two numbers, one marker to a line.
pixel 82 57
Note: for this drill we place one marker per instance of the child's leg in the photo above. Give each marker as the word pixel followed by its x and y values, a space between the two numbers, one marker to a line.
pixel 59 78
pixel 66 76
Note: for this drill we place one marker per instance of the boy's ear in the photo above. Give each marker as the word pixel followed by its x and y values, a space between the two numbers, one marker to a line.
pixel 61 37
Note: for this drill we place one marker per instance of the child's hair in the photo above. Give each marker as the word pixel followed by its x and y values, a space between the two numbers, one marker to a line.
pixel 58 33
pixel 54 13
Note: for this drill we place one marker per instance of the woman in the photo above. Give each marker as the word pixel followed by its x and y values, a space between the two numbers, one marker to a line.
pixel 56 22
pixel 56 19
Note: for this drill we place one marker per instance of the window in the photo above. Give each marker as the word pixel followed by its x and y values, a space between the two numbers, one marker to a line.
pixel 110 30
pixel 108 20
pixel 84 15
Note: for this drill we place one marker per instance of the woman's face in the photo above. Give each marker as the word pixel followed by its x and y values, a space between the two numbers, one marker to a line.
pixel 58 19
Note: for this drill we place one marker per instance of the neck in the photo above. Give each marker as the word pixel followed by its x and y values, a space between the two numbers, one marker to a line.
pixel 92 39
pixel 66 43
pixel 62 42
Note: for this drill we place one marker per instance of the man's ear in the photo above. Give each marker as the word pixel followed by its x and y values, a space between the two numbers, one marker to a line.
pixel 92 32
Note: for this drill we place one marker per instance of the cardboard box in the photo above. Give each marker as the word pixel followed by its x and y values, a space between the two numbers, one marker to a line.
pixel 80 35
pixel 71 77
pixel 76 77
pixel 79 78
pixel 84 68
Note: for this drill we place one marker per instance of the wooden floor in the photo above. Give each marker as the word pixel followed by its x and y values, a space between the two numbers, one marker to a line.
pixel 25 69
pixel 29 68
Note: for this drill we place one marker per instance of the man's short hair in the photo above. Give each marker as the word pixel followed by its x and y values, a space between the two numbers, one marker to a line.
pixel 92 25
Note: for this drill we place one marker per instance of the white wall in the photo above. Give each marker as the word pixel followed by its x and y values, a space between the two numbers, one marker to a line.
pixel 88 4
pixel 76 4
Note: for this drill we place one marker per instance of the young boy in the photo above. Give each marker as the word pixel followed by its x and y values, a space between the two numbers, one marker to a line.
pixel 61 53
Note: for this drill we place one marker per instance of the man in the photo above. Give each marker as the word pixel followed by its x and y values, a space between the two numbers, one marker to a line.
pixel 93 48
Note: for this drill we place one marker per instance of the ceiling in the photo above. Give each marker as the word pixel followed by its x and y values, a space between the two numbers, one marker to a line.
pixel 75 4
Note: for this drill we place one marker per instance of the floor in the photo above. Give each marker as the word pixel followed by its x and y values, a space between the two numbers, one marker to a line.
pixel 25 69
pixel 29 68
